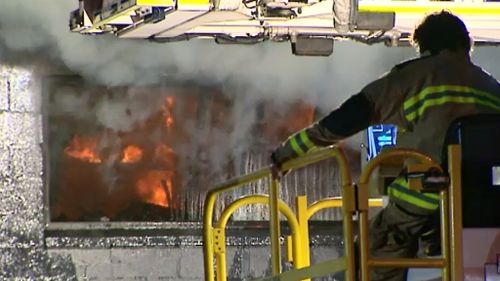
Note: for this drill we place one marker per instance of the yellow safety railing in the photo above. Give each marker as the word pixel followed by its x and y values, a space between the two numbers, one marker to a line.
pixel 298 241
pixel 454 209
pixel 352 202
pixel 451 223
pixel 304 214
pixel 366 261
pixel 211 234
pixel 220 237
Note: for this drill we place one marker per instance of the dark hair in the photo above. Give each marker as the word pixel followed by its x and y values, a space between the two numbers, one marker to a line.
pixel 439 31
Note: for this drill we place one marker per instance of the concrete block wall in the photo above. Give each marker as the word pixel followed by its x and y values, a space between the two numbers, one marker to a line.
pixel 173 264
pixel 22 251
pixel 136 264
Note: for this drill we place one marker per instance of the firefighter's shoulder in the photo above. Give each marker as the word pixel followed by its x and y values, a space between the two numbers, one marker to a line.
pixel 411 62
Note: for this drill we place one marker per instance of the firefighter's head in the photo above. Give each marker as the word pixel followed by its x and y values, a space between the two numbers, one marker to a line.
pixel 441 31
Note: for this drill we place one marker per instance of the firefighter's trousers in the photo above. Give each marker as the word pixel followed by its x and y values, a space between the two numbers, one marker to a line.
pixel 395 233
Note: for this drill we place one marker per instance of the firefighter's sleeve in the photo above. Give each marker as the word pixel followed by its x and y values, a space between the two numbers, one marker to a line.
pixel 351 117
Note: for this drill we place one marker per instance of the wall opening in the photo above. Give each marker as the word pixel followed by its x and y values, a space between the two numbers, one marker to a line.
pixel 149 154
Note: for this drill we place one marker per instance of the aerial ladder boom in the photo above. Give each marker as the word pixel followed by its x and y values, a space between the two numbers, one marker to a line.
pixel 310 25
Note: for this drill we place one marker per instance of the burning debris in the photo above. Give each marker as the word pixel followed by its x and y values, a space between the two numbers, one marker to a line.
pixel 83 148
pixel 143 169
pixel 150 154
pixel 131 154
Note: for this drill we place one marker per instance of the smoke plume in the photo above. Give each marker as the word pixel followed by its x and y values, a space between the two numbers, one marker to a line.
pixel 40 28
pixel 37 30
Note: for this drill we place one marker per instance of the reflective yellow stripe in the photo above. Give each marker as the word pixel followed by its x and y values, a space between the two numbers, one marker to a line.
pixel 399 189
pixel 403 182
pixel 413 200
pixel 296 147
pixel 431 195
pixel 437 95
pixel 443 88
pixel 305 139
pixel 443 100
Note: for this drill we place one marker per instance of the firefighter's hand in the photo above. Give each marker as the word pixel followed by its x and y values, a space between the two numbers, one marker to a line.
pixel 276 172
pixel 280 155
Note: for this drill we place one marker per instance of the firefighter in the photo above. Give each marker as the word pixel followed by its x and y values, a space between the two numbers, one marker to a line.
pixel 421 97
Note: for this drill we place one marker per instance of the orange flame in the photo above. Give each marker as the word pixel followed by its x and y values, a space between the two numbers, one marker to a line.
pixel 156 187
pixel 151 180
pixel 167 109
pixel 83 148
pixel 131 154
pixel 165 155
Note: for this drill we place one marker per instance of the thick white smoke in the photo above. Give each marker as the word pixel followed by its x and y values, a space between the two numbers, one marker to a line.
pixel 38 30
pixel 40 27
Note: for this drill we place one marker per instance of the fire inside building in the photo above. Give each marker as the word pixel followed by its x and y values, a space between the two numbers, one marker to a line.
pixel 144 154
pixel 127 159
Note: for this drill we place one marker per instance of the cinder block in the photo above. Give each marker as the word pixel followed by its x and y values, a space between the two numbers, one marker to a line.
pixel 26 185
pixel 320 254
pixel 4 93
pixel 22 199
pixel 90 264
pixel 20 130
pixel 61 266
pixel 5 162
pixel 191 263
pixel 21 91
pixel 178 279
pixel 258 261
pixel 26 162
pixel 150 263
pixel 234 261
pixel 5 70
pixel 22 264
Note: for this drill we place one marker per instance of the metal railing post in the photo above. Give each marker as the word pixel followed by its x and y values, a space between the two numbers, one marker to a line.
pixel 274 227
pixel 302 218
pixel 366 261
pixel 208 229
pixel 208 248
pixel 254 199
pixel 348 208
pixel 445 230
pixel 455 197
pixel 364 242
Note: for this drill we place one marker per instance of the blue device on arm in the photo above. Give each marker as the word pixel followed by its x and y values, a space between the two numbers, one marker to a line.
pixel 380 136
